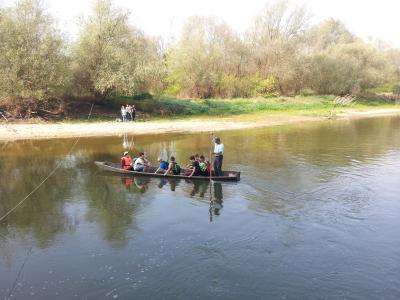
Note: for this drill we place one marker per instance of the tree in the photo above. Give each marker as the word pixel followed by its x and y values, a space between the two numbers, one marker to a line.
pixel 329 33
pixel 208 60
pixel 32 61
pixel 277 43
pixel 349 69
pixel 111 56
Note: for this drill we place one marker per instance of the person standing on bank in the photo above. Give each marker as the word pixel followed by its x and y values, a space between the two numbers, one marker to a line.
pixel 123 113
pixel 133 115
pixel 219 156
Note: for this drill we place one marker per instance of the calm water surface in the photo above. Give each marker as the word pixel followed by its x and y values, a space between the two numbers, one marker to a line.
pixel 315 216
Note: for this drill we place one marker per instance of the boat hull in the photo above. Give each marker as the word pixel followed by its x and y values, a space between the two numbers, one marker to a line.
pixel 113 167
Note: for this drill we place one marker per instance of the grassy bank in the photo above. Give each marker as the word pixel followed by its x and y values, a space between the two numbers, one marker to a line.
pixel 172 107
pixel 77 109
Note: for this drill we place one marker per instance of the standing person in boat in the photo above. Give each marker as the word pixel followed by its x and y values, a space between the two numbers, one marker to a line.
pixel 195 171
pixel 126 161
pixel 141 163
pixel 219 156
pixel 163 166
pixel 173 167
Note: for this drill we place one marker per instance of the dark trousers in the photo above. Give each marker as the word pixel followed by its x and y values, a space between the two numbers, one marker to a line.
pixel 218 165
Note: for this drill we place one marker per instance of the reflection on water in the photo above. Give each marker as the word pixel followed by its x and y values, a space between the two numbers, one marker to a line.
pixel 201 189
pixel 314 216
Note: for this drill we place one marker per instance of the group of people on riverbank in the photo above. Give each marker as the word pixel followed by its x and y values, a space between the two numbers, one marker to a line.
pixel 198 166
pixel 128 113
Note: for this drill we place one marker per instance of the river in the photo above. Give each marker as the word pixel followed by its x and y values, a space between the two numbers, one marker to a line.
pixel 315 216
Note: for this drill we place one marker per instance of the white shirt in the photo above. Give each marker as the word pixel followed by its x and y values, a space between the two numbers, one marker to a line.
pixel 218 148
pixel 138 162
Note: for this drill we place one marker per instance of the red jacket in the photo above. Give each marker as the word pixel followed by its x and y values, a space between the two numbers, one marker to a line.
pixel 126 162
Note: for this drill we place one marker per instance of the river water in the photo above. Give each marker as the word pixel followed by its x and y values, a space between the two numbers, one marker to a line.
pixel 315 216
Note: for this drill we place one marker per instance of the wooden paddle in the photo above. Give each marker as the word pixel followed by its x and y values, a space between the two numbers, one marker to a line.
pixel 211 200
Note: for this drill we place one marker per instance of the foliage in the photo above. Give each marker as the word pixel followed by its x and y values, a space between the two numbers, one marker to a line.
pixel 207 61
pixel 267 87
pixel 111 56
pixel 396 89
pixel 280 54
pixel 32 60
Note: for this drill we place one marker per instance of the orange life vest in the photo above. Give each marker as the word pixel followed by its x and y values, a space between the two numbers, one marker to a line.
pixel 127 162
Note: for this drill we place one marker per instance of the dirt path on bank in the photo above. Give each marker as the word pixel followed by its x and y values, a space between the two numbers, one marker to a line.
pixel 11 131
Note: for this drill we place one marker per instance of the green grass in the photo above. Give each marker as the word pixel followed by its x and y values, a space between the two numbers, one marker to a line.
pixel 225 107
pixel 173 108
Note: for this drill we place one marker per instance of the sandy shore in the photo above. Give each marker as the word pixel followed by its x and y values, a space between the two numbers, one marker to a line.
pixel 10 131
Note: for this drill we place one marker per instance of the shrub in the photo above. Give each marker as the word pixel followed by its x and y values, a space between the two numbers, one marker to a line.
pixel 396 89
pixel 267 87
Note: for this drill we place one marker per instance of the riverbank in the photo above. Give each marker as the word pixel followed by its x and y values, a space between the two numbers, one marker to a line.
pixel 12 132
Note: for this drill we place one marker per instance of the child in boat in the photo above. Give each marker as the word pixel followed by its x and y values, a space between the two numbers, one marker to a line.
pixel 173 168
pixel 195 171
pixel 197 158
pixel 163 166
pixel 204 166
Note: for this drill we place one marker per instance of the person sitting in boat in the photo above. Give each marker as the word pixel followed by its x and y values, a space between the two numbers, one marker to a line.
pixel 205 166
pixel 163 166
pixel 173 168
pixel 141 163
pixel 126 161
pixel 197 158
pixel 195 171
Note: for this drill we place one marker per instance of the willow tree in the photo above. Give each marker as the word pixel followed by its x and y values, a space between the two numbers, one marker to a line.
pixel 349 68
pixel 277 43
pixel 32 60
pixel 208 60
pixel 112 56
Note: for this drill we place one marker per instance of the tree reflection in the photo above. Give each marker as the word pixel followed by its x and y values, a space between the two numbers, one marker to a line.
pixel 113 206
pixel 42 215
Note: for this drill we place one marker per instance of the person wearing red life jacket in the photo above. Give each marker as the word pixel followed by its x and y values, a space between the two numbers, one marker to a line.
pixel 126 161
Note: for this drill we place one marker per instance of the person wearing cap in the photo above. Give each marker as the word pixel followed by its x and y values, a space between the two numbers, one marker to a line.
pixel 163 166
pixel 219 156
pixel 126 161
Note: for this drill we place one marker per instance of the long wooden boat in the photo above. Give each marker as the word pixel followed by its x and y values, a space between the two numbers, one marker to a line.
pixel 116 168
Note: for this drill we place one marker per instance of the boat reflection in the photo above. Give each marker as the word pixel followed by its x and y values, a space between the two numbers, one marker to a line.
pixel 136 183
pixel 201 190
pixel 172 183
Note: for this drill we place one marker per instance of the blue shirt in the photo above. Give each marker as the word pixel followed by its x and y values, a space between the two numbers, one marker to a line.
pixel 164 165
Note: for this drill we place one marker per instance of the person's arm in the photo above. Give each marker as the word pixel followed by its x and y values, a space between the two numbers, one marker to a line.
pixel 194 169
pixel 168 170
